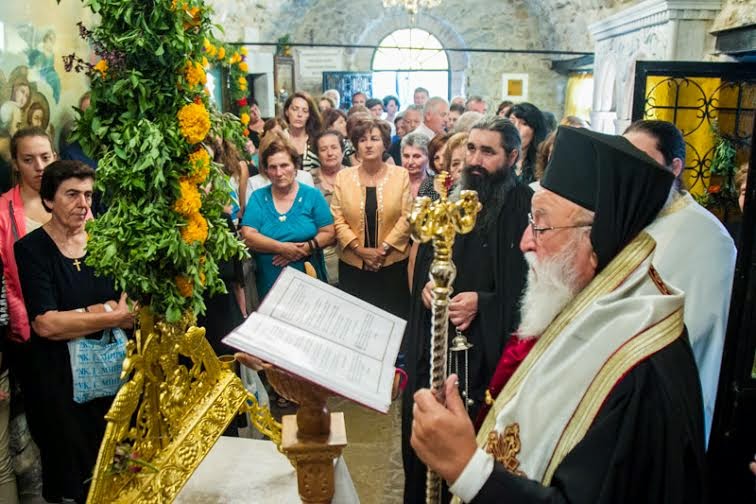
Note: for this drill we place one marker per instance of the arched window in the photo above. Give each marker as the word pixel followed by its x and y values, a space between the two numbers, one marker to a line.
pixel 407 59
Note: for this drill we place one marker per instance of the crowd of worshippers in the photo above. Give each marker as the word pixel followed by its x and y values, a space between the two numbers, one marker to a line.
pixel 559 288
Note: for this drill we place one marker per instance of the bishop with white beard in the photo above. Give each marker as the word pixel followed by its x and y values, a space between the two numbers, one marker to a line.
pixel 601 401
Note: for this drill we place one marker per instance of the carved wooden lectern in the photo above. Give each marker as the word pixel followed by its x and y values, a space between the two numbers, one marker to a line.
pixel 312 439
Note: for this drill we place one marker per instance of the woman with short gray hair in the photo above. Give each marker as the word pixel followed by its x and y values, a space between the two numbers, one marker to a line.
pixel 415 159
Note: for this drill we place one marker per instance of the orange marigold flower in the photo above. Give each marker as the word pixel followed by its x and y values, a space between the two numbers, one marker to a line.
pixel 194 17
pixel 195 74
pixel 221 53
pixel 102 67
pixel 195 229
pixel 194 122
pixel 713 189
pixel 189 201
pixel 199 161
pixel 244 67
pixel 244 119
pixel 184 286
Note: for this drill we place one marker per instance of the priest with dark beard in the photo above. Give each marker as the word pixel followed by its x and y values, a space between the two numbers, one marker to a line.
pixel 491 272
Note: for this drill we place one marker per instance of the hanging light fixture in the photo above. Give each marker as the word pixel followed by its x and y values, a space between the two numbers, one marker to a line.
pixel 411 6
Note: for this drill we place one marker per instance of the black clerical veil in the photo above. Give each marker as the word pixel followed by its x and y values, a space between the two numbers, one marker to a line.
pixel 609 176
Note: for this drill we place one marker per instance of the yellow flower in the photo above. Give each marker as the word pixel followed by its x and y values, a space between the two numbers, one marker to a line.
pixel 189 201
pixel 199 160
pixel 244 67
pixel 205 63
pixel 184 286
pixel 195 229
pixel 194 122
pixel 244 51
pixel 235 58
pixel 210 49
pixel 202 277
pixel 194 16
pixel 244 118
pixel 221 53
pixel 102 67
pixel 242 81
pixel 195 74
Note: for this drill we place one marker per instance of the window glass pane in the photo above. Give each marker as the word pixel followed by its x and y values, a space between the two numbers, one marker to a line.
pixel 384 84
pixel 410 49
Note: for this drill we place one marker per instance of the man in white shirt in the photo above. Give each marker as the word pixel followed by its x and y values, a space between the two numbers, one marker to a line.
pixel 435 113
pixel 694 252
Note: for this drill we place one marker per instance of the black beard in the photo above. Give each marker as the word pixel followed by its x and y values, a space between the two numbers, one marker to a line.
pixel 491 188
pixel 477 178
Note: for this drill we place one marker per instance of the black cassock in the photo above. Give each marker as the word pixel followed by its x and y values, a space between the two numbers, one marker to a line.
pixel 489 262
pixel 645 445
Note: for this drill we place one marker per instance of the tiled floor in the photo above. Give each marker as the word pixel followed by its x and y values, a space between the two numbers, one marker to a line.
pixel 374 453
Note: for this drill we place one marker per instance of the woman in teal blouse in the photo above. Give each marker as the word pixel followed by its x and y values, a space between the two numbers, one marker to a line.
pixel 285 223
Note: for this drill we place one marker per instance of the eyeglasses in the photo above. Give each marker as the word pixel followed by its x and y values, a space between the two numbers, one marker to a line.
pixel 538 230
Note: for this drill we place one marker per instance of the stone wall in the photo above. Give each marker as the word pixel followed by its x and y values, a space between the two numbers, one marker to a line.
pixel 516 24
pixel 735 13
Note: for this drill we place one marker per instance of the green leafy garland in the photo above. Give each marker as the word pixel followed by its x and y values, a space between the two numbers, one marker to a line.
pixel 164 232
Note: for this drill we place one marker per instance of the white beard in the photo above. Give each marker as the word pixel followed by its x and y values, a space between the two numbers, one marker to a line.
pixel 551 285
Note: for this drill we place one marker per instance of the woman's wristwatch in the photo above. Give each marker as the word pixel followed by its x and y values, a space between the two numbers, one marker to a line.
pixel 386 247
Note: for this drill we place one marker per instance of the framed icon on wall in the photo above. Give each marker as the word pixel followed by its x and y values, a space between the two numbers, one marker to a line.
pixel 514 87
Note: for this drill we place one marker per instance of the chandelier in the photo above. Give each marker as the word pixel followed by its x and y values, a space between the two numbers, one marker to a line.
pixel 411 6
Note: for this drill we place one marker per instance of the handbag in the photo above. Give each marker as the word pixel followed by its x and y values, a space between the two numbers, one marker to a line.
pixel 96 364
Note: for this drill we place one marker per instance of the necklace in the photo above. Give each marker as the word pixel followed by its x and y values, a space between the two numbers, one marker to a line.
pixel 283 215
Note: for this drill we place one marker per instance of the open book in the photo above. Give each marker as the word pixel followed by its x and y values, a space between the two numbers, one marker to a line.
pixel 326 336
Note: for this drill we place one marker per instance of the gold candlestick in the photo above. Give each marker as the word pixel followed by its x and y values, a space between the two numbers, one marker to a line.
pixel 440 222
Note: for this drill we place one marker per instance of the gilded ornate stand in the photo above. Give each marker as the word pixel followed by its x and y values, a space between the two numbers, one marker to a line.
pixel 440 222
pixel 177 401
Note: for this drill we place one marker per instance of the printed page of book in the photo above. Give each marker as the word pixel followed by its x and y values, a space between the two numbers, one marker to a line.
pixel 322 334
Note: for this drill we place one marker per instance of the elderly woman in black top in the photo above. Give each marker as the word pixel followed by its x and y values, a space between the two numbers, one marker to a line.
pixel 65 300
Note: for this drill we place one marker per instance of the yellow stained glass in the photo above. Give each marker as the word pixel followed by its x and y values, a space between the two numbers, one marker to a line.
pixel 578 95
pixel 687 102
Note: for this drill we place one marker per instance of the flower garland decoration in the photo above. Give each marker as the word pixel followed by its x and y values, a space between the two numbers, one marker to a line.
pixel 235 59
pixel 164 233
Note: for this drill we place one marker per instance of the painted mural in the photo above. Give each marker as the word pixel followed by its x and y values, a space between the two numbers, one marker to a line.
pixel 35 89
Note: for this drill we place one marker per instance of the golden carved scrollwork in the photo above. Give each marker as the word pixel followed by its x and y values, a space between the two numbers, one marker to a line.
pixel 177 399
pixel 505 447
